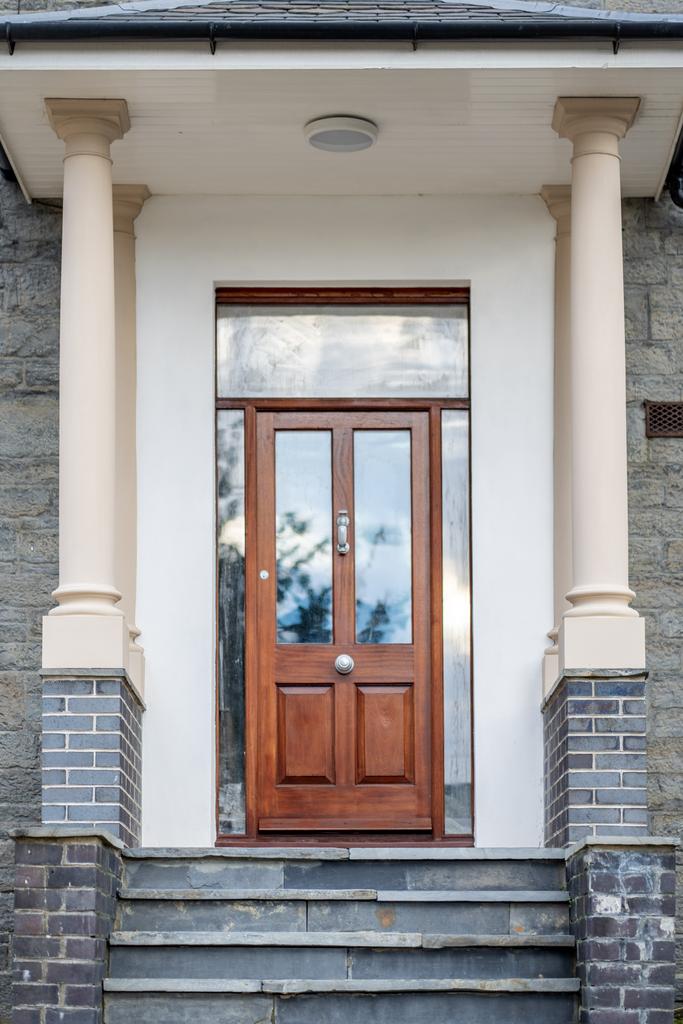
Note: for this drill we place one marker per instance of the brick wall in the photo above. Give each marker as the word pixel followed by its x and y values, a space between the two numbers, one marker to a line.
pixel 92 754
pixel 65 905
pixel 29 320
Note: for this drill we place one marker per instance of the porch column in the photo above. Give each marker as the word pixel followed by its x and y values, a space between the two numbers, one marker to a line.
pixel 600 630
pixel 87 629
pixel 128 201
pixel 558 200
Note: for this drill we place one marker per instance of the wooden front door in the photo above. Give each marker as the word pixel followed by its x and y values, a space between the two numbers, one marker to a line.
pixel 342 628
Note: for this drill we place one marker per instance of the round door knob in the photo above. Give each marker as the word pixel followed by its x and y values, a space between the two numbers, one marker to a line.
pixel 344 664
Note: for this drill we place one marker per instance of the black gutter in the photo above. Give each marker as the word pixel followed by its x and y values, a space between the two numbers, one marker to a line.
pixel 141 28
pixel 674 179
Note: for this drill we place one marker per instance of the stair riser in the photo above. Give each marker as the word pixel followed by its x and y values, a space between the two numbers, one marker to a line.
pixel 332 915
pixel 403 1008
pixel 259 962
pixel 213 873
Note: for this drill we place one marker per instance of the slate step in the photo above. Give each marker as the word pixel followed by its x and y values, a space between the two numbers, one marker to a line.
pixel 225 911
pixel 298 986
pixel 359 961
pixel 326 868
pixel 394 940
pixel 412 1007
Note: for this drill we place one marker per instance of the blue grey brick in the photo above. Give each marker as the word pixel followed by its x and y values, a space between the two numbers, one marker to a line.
pixel 53 741
pixel 624 762
pixel 94 705
pixel 109 687
pixel 619 688
pixel 93 812
pixel 68 759
pixel 67 795
pixel 94 741
pixel 53 704
pixel 109 723
pixel 622 796
pixel 93 777
pixel 109 794
pixel 67 723
pixel 53 814
pixel 53 777
pixel 67 687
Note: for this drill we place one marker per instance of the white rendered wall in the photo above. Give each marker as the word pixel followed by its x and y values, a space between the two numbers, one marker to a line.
pixel 504 249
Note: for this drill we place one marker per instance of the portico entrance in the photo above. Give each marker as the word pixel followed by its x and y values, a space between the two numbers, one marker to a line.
pixel 335 567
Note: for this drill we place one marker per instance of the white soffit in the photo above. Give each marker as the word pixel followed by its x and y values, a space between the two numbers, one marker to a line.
pixel 201 127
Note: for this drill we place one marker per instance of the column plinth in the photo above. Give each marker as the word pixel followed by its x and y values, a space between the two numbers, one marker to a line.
pixel 87 628
pixel 600 629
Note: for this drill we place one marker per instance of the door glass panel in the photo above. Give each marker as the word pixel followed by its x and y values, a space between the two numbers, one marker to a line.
pixel 342 351
pixel 303 487
pixel 230 521
pixel 383 536
pixel 456 622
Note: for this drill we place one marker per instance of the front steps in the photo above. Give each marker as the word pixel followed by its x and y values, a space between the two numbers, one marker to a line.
pixel 324 936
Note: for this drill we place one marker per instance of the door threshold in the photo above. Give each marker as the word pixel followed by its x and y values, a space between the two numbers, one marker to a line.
pixel 343 839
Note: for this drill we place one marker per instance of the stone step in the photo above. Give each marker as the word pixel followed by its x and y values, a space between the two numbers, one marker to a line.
pixel 425 1006
pixel 384 896
pixel 314 911
pixel 390 869
pixel 297 986
pixel 394 940
pixel 339 962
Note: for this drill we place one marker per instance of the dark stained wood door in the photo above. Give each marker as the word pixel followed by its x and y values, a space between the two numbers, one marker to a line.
pixel 341 531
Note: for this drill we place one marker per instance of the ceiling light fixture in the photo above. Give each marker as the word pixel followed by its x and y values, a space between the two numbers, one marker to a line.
pixel 341 134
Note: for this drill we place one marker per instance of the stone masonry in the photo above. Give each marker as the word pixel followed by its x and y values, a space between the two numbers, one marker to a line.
pixel 653 269
pixel 29 352
pixel 66 891
pixel 92 754
pixel 622 897
pixel 594 750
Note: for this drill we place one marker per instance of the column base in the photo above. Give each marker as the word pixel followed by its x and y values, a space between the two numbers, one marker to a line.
pixel 601 642
pixel 92 752
pixel 595 758
pixel 85 641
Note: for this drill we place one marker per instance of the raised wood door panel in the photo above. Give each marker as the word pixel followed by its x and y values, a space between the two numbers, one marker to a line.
pixel 341 752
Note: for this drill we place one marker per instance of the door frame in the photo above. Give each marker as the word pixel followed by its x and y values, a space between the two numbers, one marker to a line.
pixel 433 406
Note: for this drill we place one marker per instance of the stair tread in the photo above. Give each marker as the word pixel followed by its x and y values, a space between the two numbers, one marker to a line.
pixel 359 938
pixel 304 985
pixel 384 896
pixel 248 894
pixel 378 853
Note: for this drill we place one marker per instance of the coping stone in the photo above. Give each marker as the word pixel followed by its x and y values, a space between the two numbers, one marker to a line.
pixel 248 894
pixel 238 852
pixel 66 832
pixel 621 842
pixel 390 940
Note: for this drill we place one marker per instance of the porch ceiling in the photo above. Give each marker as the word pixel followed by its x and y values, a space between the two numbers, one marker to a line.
pixel 206 126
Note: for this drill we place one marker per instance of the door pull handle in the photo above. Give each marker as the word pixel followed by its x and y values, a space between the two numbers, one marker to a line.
pixel 343 522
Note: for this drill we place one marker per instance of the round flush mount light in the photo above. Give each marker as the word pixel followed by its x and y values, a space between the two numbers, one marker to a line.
pixel 341 134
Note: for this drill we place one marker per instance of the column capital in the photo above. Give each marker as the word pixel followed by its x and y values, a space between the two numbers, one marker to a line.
pixel 578 115
pixel 128 201
pixel 558 199
pixel 88 125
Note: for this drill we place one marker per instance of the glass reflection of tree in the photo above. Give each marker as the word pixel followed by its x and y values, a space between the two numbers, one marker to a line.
pixel 304 608
pixel 231 576
pixel 378 624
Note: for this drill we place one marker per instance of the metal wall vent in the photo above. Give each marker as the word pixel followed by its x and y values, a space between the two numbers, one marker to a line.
pixel 664 419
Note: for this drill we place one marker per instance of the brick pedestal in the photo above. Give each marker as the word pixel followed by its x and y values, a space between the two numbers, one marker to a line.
pixel 595 756
pixel 622 896
pixel 92 753
pixel 65 901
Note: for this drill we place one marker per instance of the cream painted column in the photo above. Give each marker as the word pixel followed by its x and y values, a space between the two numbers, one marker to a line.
pixel 558 200
pixel 128 201
pixel 87 629
pixel 600 630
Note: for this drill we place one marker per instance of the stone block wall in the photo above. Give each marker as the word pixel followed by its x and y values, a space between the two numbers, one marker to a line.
pixel 29 354
pixel 653 269
pixel 622 906
pixel 92 754
pixel 65 905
